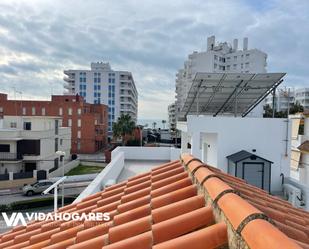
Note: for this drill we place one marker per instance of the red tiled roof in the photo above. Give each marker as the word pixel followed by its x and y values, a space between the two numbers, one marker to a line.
pixel 181 204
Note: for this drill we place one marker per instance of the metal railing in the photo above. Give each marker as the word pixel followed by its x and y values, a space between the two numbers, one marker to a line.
pixel 10 156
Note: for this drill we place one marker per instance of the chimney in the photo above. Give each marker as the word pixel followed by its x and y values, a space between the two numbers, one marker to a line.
pixel 235 44
pixel 210 42
pixel 245 44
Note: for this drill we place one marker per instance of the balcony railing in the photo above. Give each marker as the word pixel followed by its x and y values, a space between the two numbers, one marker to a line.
pixel 10 156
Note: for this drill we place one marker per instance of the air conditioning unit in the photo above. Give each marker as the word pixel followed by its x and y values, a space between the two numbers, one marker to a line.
pixel 293 195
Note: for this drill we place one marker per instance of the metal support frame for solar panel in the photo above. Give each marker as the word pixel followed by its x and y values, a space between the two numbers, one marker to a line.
pixel 229 93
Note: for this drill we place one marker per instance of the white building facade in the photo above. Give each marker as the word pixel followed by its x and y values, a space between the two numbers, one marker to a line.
pixel 283 98
pixel 172 116
pixel 212 139
pixel 289 95
pixel 29 143
pixel 101 84
pixel 220 58
pixel 302 97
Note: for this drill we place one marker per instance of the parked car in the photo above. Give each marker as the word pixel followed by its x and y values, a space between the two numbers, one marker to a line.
pixel 37 187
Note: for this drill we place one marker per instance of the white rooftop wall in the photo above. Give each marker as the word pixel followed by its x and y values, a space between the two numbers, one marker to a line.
pixel 227 135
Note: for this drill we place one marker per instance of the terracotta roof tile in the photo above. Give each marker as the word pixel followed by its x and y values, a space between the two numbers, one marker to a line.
pixel 236 209
pixel 182 224
pixel 275 238
pixel 142 241
pixel 177 208
pixel 162 209
pixel 215 187
pixel 207 238
pixel 129 229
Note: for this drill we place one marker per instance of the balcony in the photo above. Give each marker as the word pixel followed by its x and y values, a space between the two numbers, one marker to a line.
pixel 7 156
pixel 68 79
pixel 68 86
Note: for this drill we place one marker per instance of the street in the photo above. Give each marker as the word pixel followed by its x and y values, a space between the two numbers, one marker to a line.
pixel 70 189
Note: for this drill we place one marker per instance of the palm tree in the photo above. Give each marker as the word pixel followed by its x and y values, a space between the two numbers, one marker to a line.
pixel 163 123
pixel 124 126
pixel 154 125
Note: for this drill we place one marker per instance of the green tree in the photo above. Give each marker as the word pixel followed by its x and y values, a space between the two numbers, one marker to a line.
pixel 163 123
pixel 295 108
pixel 124 126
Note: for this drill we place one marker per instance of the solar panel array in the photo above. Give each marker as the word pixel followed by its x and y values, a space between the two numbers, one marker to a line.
pixel 228 93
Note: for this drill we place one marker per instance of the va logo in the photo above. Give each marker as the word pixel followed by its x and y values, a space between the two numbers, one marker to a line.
pixel 14 219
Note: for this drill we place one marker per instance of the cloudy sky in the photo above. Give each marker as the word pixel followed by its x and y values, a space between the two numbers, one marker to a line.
pixel 41 38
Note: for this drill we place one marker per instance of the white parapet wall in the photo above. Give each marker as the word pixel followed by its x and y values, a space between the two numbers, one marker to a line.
pixel 67 167
pixel 148 153
pixel 112 171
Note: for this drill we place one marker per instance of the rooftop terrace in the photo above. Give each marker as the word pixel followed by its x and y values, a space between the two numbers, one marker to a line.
pixel 181 204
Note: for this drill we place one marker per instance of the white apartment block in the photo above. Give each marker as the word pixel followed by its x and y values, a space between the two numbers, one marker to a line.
pixel 172 116
pixel 289 95
pixel 102 85
pixel 302 97
pixel 221 58
pixel 283 98
pixel 29 143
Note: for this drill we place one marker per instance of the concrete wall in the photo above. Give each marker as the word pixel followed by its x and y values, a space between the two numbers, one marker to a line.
pixel 67 167
pixel 111 171
pixel 119 155
pixel 16 183
pixel 147 153
pixel 266 136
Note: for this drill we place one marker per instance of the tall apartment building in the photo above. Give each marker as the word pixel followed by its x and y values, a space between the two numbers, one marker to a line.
pixel 221 57
pixel 101 84
pixel 283 97
pixel 88 122
pixel 172 116
pixel 29 143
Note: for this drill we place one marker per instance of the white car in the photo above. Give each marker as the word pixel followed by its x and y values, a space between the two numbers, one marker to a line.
pixel 37 187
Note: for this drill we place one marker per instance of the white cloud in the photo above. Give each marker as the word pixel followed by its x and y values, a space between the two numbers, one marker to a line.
pixel 38 39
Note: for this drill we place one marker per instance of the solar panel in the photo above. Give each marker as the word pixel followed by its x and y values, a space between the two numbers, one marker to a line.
pixel 228 93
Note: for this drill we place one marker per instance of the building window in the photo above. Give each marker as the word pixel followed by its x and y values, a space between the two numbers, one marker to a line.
pixel 69 122
pixel 235 66
pixel 247 65
pixel 235 58
pixel 79 123
pixel 60 111
pixel 43 111
pixel 78 134
pixel 70 111
pixel 24 111
pixel 79 111
pixel 1 109
pixel 61 142
pixel 27 126
pixel 228 67
pixel 33 110
pixel 13 125
pixel 241 65
pixel 216 57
